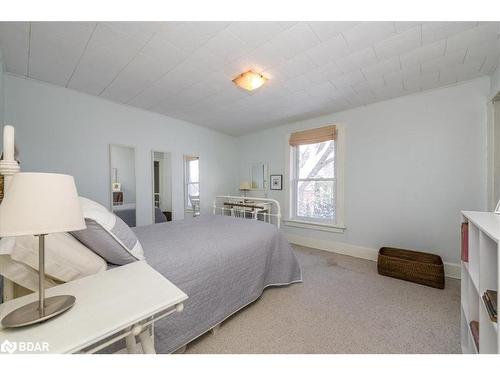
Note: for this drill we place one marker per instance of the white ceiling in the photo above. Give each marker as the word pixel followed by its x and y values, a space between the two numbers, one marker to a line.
pixel 184 69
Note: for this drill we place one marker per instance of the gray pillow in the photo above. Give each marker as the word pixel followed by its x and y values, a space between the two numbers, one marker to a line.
pixel 107 235
pixel 103 244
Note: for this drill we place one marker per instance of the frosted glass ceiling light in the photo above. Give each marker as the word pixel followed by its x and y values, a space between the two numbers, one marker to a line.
pixel 250 80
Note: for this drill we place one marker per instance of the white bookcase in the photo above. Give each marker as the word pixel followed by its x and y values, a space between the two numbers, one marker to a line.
pixel 479 274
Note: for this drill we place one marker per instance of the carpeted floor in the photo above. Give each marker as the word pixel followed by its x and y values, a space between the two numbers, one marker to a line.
pixel 343 306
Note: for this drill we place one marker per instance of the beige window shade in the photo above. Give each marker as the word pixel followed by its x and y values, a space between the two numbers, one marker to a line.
pixel 307 137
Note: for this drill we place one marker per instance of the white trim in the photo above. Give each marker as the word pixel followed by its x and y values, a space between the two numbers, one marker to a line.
pixel 340 153
pixel 314 226
pixel 451 270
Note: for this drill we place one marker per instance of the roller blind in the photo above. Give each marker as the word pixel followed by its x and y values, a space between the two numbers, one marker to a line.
pixel 307 137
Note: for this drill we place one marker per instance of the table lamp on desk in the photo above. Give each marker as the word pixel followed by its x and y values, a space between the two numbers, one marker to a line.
pixel 39 204
pixel 245 187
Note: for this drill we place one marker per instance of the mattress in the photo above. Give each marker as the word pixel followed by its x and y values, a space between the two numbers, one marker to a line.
pixel 222 263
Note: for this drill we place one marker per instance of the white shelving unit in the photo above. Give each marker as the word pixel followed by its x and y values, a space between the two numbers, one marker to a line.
pixel 479 274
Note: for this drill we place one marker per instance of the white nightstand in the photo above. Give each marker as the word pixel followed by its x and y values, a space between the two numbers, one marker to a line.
pixel 120 303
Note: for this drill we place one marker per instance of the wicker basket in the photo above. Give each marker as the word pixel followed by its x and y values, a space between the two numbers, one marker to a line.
pixel 420 268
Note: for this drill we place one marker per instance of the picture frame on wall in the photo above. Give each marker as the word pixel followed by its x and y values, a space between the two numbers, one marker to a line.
pixel 276 182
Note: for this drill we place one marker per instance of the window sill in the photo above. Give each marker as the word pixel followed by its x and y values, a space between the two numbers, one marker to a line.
pixel 315 226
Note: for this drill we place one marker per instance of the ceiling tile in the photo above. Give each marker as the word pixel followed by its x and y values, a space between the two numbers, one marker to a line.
pixel 296 84
pixel 321 89
pixel 14 42
pixel 225 45
pixel 140 30
pixel 294 40
pixel 399 43
pixel 433 31
pixel 368 33
pixel 479 34
pixel 402 26
pixel 142 72
pixel 254 34
pixel 357 60
pixel 324 72
pixel 349 79
pixel 369 84
pixel 56 48
pixel 397 78
pixel 326 30
pixel 422 54
pixel 296 66
pixel 381 68
pixel 187 36
pixel 446 61
pixel 107 53
pixel 334 49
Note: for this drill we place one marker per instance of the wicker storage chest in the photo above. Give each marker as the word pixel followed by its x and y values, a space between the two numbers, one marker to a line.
pixel 414 266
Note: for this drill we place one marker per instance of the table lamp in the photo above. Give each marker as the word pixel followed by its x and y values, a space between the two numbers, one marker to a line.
pixel 244 187
pixel 39 204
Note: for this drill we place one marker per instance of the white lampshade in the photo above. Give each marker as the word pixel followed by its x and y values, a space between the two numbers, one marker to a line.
pixel 245 185
pixel 40 203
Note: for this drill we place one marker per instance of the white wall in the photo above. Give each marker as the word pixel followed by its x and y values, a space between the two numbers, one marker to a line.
pixel 412 164
pixel 60 130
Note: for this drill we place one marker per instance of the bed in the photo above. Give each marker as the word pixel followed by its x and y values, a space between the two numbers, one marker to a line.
pixel 222 263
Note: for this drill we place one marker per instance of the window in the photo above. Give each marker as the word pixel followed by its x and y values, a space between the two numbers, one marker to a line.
pixel 313 177
pixel 192 182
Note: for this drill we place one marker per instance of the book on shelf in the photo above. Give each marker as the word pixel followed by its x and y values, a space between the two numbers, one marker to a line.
pixel 490 301
pixel 474 328
pixel 465 242
pixel 492 296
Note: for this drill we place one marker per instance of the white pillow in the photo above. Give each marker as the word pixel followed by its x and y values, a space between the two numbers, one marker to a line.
pixel 22 274
pixel 108 235
pixel 66 258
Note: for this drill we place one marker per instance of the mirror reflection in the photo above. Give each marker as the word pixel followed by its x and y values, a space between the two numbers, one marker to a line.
pixel 192 184
pixel 258 173
pixel 162 186
pixel 123 190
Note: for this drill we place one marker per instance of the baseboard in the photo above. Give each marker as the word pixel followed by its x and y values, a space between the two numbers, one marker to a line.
pixel 452 270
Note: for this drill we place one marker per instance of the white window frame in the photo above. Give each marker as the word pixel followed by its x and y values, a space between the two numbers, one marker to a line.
pixel 187 204
pixel 338 224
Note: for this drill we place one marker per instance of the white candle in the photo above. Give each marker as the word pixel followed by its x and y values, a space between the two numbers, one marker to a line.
pixel 8 142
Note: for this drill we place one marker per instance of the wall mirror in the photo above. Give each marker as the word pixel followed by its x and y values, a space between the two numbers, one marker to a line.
pixel 162 186
pixel 258 176
pixel 192 184
pixel 123 186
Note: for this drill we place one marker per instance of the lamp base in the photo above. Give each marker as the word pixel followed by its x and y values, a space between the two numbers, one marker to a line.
pixel 31 314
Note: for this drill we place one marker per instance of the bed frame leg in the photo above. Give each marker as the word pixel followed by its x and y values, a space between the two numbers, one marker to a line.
pixel 215 329
pixel 181 350
pixel 131 344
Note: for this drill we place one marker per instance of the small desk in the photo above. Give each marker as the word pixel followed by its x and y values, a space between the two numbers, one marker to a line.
pixel 121 303
pixel 243 207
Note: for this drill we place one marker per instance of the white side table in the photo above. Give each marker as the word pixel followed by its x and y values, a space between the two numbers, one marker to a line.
pixel 112 305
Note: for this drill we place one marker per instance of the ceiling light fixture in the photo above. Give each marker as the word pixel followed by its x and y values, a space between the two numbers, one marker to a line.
pixel 250 80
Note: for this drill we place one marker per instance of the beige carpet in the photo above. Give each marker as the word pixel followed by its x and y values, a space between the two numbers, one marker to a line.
pixel 343 306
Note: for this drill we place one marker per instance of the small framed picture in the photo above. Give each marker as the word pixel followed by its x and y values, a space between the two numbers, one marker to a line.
pixel 276 182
